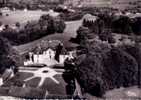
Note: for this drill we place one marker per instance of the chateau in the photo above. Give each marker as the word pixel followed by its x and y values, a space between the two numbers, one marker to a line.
pixel 48 53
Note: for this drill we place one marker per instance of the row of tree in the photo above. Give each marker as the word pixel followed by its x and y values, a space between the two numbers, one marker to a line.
pixel 117 24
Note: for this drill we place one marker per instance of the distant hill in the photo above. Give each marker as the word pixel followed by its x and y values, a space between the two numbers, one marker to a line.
pixel 123 4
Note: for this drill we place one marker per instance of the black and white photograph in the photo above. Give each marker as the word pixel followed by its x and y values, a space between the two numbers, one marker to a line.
pixel 70 49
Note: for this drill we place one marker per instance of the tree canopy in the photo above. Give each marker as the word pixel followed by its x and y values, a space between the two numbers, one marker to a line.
pixel 106 68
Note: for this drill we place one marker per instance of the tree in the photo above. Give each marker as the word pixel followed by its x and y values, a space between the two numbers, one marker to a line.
pixel 69 76
pixel 89 73
pixel 122 25
pixel 52 25
pixel 58 51
pixel 98 26
pixel 106 35
pixel 136 25
pixel 17 24
pixel 135 51
pixel 8 56
pixel 83 34
pixel 47 23
pixel 59 26
pixel 10 34
pixel 120 69
pixel 1 13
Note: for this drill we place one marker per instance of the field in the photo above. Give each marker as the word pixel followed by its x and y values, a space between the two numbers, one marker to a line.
pixel 24 16
pixel 20 16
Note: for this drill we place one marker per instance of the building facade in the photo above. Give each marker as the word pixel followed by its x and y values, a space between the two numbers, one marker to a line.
pixel 47 58
pixel 46 54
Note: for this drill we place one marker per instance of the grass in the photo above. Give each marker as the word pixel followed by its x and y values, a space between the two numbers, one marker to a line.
pixel 53 88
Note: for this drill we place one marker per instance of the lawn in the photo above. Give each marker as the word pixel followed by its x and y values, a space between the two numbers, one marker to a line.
pixel 71 28
pixel 49 85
